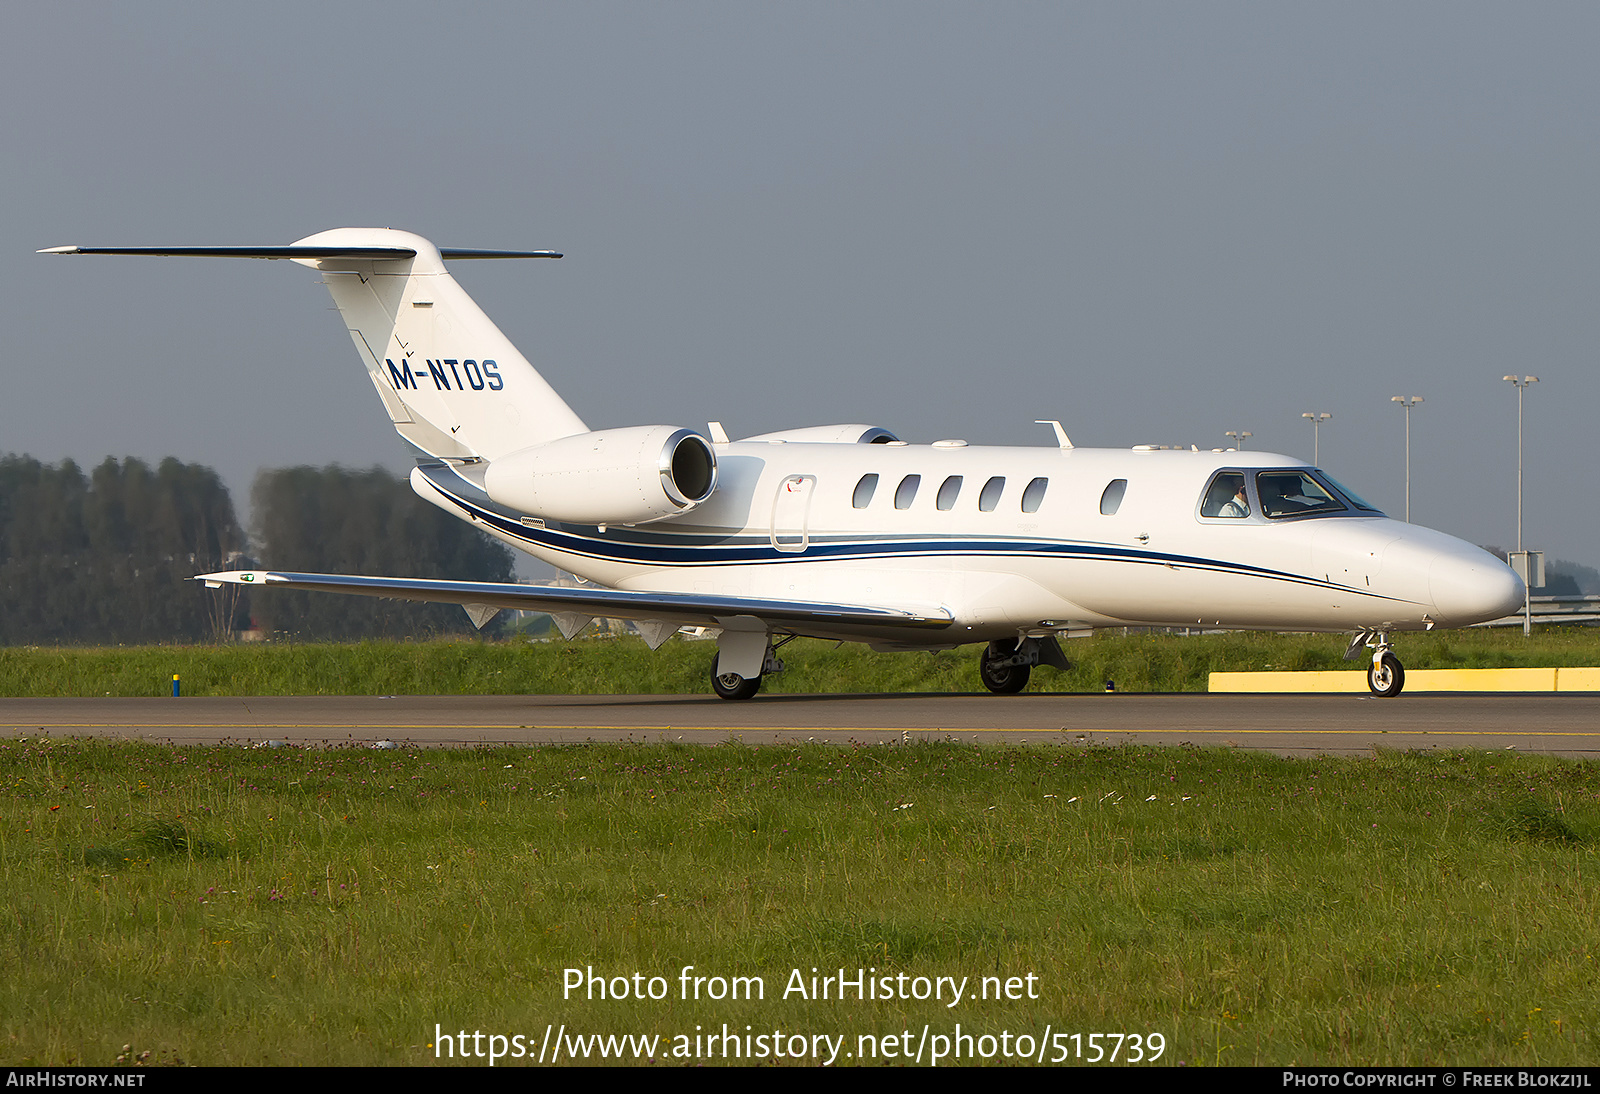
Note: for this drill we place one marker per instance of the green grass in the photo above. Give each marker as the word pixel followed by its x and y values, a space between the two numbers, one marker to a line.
pixel 1141 662
pixel 281 906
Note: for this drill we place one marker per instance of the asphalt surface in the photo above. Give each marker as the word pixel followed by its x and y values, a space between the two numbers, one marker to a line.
pixel 1552 724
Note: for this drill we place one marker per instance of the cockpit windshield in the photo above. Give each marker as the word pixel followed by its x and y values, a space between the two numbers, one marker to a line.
pixel 1343 491
pixel 1288 493
pixel 1305 494
pixel 1294 494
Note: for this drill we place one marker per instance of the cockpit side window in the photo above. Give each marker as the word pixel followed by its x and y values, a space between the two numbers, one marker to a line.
pixel 1294 494
pixel 1226 497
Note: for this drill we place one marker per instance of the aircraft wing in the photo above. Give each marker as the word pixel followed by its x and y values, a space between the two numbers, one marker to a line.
pixel 483 598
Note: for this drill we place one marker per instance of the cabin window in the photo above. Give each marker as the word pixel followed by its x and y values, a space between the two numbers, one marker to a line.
pixel 1111 500
pixel 948 491
pixel 864 491
pixel 906 493
pixel 1225 497
pixel 1294 494
pixel 990 496
pixel 1033 495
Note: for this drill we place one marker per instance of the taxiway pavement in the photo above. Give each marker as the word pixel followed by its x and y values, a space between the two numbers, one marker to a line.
pixel 1562 725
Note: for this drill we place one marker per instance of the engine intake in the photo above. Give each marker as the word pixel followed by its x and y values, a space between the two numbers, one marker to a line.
pixel 610 476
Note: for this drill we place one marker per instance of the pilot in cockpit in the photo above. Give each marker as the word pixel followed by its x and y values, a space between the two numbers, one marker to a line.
pixel 1226 498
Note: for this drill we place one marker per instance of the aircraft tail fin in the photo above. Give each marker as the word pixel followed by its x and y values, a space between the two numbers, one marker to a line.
pixel 451 382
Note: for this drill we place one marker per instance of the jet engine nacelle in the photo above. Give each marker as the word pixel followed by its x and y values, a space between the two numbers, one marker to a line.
pixel 610 476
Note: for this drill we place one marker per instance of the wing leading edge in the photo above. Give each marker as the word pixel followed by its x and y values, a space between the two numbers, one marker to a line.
pixel 682 608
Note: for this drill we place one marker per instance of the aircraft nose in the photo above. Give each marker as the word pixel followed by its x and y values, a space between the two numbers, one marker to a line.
pixel 1473 586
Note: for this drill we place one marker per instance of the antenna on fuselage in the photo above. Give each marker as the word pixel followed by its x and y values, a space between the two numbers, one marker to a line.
pixel 1061 434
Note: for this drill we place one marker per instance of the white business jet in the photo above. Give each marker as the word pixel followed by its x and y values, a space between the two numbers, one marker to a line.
pixel 847 532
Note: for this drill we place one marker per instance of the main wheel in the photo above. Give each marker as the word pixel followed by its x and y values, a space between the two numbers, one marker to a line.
pixel 1386 677
pixel 998 678
pixel 730 685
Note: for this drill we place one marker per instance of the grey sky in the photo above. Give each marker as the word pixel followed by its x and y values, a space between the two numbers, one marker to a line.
pixel 1154 222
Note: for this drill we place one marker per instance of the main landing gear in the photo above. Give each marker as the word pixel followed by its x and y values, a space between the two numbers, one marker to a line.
pixel 1004 668
pixel 1006 663
pixel 1386 677
pixel 730 685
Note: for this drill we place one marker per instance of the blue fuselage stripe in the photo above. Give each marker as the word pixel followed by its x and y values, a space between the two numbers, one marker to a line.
pixel 711 549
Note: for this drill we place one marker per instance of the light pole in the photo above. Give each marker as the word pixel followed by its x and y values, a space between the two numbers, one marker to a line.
pixel 1316 434
pixel 1407 401
pixel 1238 438
pixel 1521 383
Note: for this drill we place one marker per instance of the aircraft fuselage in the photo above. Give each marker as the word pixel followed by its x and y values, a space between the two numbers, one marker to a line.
pixel 794 521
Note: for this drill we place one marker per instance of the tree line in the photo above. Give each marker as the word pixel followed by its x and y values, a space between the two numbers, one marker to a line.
pixel 108 556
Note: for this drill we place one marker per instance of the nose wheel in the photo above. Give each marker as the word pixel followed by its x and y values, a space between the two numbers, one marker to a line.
pixel 1386 677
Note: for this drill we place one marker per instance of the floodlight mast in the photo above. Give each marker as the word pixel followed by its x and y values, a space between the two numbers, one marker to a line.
pixel 1317 418
pixel 1521 384
pixel 1407 401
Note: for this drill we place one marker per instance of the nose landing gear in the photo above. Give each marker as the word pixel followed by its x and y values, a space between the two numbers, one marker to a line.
pixel 1386 677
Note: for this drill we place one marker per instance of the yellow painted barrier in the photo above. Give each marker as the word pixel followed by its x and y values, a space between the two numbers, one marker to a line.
pixel 1578 679
pixel 1348 681
pixel 1342 680
pixel 1481 680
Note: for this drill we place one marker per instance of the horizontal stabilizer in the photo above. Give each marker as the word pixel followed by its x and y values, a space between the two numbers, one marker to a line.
pixel 470 252
pixel 372 254
pixel 696 609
